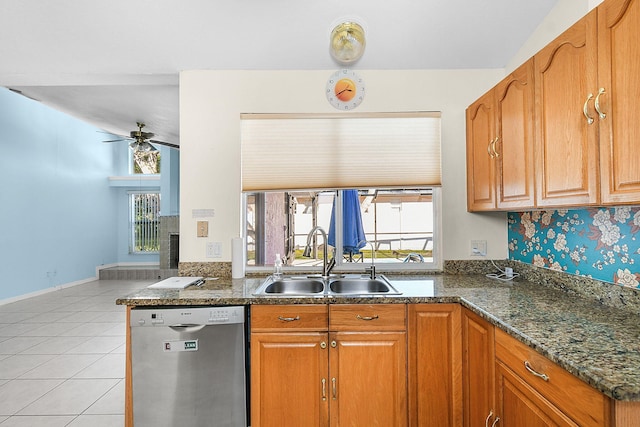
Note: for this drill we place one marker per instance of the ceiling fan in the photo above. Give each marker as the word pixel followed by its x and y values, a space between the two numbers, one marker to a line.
pixel 140 141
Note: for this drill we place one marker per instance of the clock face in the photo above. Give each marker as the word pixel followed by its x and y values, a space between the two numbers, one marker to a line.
pixel 345 90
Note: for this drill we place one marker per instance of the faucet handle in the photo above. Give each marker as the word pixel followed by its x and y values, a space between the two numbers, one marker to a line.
pixel 371 271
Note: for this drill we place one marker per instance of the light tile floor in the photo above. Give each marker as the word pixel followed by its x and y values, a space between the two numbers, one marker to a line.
pixel 62 357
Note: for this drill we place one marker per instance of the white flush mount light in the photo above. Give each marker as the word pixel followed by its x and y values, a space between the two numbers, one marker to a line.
pixel 347 42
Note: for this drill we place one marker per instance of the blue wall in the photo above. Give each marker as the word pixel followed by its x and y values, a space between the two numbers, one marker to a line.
pixel 602 243
pixel 59 216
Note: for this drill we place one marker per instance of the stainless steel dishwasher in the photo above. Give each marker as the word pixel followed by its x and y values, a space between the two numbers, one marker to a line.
pixel 188 366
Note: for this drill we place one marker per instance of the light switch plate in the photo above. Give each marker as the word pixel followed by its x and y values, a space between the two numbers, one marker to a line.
pixel 203 229
pixel 214 250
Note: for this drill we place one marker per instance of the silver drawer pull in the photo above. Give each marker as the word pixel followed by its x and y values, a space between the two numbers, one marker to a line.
pixel 532 371
pixel 366 317
pixel 288 319
pixel 495 422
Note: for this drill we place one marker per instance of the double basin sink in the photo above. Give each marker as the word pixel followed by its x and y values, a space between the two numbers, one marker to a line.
pixel 347 285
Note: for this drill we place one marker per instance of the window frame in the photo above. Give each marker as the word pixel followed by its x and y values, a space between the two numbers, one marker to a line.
pixel 382 267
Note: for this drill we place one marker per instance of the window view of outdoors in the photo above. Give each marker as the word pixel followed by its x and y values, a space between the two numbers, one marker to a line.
pixel 397 226
pixel 144 222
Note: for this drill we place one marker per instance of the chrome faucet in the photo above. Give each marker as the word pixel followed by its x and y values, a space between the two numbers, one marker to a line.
pixel 371 270
pixel 326 265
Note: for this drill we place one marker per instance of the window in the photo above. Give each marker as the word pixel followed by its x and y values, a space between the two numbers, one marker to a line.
pixel 144 223
pixel 399 228
pixel 300 171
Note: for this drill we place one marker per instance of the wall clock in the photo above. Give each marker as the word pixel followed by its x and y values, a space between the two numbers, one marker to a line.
pixel 345 90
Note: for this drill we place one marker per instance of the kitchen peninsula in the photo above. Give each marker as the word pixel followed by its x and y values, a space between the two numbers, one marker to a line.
pixel 593 342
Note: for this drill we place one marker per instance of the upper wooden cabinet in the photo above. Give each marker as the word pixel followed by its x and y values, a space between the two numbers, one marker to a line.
pixel 500 145
pixel 481 182
pixel 584 126
pixel 566 138
pixel 617 92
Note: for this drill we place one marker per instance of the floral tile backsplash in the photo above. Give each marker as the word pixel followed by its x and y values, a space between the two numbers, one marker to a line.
pixel 600 243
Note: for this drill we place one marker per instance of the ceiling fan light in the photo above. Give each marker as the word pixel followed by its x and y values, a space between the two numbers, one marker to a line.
pixel 146 147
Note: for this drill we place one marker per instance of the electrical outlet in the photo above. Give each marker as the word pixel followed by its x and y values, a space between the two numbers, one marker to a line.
pixel 214 250
pixel 478 248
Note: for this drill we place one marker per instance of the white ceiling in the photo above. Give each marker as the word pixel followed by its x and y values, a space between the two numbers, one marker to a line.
pixel 115 62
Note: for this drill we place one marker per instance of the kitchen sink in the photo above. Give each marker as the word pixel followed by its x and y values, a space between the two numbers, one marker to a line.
pixel 293 286
pixel 348 285
pixel 362 286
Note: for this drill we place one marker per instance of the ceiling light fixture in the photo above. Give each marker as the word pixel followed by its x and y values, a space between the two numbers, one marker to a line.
pixel 347 42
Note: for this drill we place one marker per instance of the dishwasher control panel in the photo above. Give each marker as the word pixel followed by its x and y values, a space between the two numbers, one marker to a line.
pixel 149 317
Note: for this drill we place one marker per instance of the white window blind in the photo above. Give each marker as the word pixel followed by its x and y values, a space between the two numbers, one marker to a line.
pixel 290 152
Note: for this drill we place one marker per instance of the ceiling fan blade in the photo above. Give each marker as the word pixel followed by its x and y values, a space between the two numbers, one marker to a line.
pixel 166 144
pixel 115 140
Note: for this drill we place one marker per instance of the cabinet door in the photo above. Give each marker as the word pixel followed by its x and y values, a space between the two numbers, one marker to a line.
pixel 519 405
pixel 481 191
pixel 478 361
pixel 618 68
pixel 514 139
pixel 368 385
pixel 435 365
pixel 289 379
pixel 566 144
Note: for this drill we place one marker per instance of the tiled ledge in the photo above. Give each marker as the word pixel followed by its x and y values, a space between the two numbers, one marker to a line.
pixel 136 273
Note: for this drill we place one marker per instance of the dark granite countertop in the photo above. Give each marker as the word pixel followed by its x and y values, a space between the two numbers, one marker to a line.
pixel 597 343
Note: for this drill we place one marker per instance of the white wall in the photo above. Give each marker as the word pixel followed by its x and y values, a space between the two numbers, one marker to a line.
pixel 210 106
pixel 561 17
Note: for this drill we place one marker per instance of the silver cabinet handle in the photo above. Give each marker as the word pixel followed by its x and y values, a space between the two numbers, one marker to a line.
pixel 495 422
pixel 585 109
pixel 323 345
pixel 366 317
pixel 528 367
pixel 288 319
pixel 486 422
pixel 324 389
pixel 334 388
pixel 334 343
pixel 597 104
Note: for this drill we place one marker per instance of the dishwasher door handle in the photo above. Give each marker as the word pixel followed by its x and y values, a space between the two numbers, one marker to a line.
pixel 187 327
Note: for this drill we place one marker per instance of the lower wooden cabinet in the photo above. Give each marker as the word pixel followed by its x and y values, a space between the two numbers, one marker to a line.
pixel 289 359
pixel 409 365
pixel 435 365
pixel 478 361
pixel 520 405
pixel 528 381
pixel 350 371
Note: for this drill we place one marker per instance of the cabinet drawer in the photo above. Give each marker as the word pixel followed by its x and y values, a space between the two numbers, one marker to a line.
pixel 577 399
pixel 364 317
pixel 312 317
